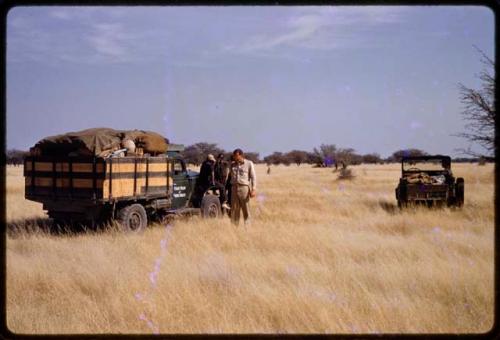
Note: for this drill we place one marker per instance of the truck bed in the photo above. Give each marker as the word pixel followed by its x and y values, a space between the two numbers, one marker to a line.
pixel 97 179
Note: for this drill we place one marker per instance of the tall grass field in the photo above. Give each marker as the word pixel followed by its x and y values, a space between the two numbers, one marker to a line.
pixel 321 255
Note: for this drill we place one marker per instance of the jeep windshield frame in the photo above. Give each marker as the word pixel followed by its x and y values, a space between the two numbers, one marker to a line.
pixel 407 163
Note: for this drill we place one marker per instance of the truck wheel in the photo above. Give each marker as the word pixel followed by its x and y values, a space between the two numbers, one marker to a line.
pixel 133 217
pixel 459 192
pixel 210 206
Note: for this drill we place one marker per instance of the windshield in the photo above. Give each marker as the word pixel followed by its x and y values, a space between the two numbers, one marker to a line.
pixel 423 165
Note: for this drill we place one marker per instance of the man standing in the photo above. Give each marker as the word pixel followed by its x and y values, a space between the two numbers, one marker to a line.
pixel 243 186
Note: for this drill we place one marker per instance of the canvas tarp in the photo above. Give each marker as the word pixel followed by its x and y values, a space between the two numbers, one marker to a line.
pixel 98 141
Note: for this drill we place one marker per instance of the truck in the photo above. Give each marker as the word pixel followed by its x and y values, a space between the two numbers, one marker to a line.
pixel 132 190
pixel 429 180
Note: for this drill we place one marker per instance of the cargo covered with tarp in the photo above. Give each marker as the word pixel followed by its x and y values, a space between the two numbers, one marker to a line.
pixel 423 178
pixel 99 142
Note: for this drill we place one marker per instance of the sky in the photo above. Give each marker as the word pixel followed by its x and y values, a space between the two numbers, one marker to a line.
pixel 264 79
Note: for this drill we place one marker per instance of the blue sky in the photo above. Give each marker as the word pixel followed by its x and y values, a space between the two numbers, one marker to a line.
pixel 264 79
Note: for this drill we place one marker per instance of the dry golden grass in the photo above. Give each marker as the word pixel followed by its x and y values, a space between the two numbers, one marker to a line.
pixel 321 256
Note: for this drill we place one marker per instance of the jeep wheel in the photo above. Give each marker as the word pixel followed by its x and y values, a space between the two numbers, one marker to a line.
pixel 210 207
pixel 133 217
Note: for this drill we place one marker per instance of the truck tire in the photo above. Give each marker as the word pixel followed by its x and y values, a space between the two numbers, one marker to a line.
pixel 459 192
pixel 210 206
pixel 133 217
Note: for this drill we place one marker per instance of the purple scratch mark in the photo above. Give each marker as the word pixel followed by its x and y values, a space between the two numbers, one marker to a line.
pixel 414 125
pixel 153 278
pixel 328 161
pixel 341 187
pixel 151 325
pixel 163 244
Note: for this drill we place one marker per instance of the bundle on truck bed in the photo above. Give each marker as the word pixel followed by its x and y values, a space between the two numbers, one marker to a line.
pixel 99 142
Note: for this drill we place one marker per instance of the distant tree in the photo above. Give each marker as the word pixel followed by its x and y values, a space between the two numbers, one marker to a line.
pixel 15 157
pixel 296 156
pixel 371 158
pixel 465 159
pixel 327 154
pixel 275 158
pixel 356 159
pixel 197 153
pixel 398 155
pixel 348 156
pixel 479 110
pixel 253 156
pixel 285 161
pixel 228 155
pixel 314 158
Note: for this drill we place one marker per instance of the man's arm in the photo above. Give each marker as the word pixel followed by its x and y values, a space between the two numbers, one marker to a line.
pixel 212 174
pixel 253 177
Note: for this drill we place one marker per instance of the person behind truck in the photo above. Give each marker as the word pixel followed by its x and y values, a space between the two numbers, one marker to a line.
pixel 206 177
pixel 244 183
pixel 228 180
pixel 220 176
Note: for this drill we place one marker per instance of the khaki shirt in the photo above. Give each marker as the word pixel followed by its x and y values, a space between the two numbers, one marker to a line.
pixel 243 174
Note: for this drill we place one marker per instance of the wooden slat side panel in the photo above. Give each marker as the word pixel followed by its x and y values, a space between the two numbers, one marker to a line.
pixel 64 167
pixel 123 176
pixel 63 182
pixel 125 187
pixel 141 167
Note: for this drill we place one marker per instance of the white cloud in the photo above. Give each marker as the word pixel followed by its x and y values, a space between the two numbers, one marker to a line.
pixel 60 14
pixel 301 28
pixel 109 40
pixel 322 28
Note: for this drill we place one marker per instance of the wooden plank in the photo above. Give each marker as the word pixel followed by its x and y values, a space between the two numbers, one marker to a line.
pixel 64 183
pixel 125 187
pixel 119 166
pixel 43 166
pixel 64 167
